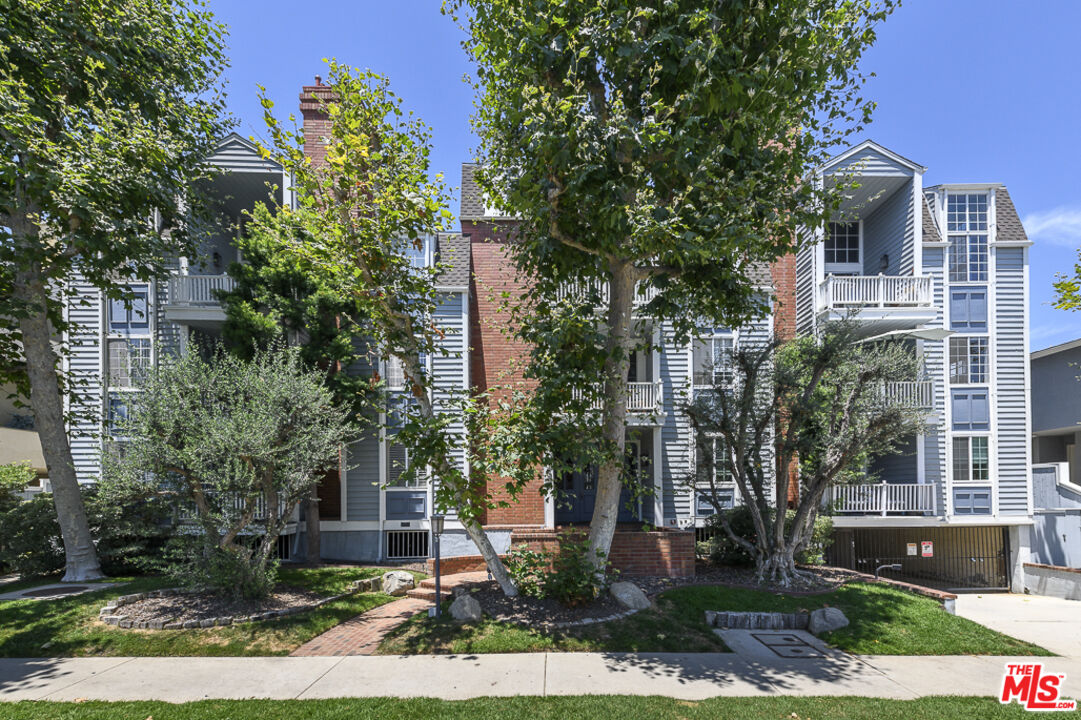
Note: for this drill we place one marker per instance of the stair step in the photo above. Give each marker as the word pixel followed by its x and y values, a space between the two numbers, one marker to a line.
pixel 423 593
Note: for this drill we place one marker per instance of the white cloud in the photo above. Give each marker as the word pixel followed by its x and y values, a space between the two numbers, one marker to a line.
pixel 1061 226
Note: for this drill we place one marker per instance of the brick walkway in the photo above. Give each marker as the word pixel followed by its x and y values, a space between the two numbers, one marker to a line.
pixel 362 634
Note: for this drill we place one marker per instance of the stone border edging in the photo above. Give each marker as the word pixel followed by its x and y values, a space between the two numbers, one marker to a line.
pixel 110 616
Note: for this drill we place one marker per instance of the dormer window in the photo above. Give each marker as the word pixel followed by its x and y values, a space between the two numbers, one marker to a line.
pixel 842 248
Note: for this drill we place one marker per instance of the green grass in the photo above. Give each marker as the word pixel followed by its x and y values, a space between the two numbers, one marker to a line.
pixel 69 627
pixel 884 621
pixel 535 708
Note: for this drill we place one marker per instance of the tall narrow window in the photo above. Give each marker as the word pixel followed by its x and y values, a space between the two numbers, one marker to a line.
pixel 712 461
pixel 400 470
pixel 133 317
pixel 966 225
pixel 128 361
pixel 971 460
pixel 712 358
pixel 842 246
pixel 968 360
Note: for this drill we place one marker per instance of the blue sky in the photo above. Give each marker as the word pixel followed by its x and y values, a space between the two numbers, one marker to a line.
pixel 978 91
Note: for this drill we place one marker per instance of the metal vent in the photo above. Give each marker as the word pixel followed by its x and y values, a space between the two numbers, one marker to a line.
pixel 407 544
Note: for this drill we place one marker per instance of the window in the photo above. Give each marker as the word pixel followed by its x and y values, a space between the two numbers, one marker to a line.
pixel 129 359
pixel 711 457
pixel 968 360
pixel 118 414
pixel 130 319
pixel 400 472
pixel 972 501
pixel 968 309
pixel 395 375
pixel 966 221
pixel 971 461
pixel 843 244
pixel 712 361
pixel 703 507
pixel 971 410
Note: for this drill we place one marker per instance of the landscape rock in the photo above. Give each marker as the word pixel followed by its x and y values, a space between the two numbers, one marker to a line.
pixel 465 609
pixel 397 582
pixel 629 595
pixel 826 619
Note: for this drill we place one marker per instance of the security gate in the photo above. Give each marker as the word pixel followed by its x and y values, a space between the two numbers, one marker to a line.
pixel 961 558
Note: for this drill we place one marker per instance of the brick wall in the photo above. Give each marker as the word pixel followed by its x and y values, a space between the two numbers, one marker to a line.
pixel 783 272
pixel 663 553
pixel 316 122
pixel 496 357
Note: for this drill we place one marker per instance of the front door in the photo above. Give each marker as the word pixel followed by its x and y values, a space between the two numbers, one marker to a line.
pixel 579 497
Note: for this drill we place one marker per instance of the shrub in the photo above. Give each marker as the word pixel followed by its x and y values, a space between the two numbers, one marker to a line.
pixel 722 551
pixel 527 569
pixel 14 479
pixel 573 579
pixel 31 537
pixel 194 560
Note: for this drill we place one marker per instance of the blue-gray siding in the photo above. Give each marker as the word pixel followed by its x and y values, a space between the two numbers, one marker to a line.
pixel 1010 364
pixel 888 232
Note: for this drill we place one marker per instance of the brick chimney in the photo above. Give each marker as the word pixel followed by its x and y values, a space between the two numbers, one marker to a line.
pixel 316 122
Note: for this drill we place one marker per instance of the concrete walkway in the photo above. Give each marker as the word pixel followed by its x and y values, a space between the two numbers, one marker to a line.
pixel 683 676
pixel 1051 623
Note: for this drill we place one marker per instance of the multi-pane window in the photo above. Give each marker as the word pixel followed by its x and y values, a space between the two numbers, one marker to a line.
pixel 400 470
pixel 395 375
pixel 117 414
pixel 130 317
pixel 843 243
pixel 712 464
pixel 966 225
pixel 128 359
pixel 971 461
pixel 968 360
pixel 712 361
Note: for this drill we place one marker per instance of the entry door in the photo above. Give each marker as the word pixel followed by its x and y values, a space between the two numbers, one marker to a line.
pixel 579 497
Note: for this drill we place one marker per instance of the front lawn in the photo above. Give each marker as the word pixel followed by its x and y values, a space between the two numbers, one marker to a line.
pixel 884 621
pixel 536 708
pixel 69 627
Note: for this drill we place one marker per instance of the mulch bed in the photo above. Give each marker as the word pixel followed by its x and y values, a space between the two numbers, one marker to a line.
pixel 183 608
pixel 540 612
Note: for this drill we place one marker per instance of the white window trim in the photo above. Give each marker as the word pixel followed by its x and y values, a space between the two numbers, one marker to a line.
pixel 990 481
pixel 729 334
pixel 833 268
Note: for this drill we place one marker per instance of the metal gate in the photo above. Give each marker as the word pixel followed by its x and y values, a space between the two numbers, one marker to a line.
pixel 962 558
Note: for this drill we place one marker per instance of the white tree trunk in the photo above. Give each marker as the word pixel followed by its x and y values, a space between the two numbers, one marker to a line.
pixel 602 527
pixel 48 406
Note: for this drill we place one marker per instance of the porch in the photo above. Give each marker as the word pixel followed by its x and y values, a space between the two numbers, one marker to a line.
pixel 883 499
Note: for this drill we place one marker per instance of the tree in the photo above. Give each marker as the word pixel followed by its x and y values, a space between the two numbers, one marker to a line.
pixel 1068 288
pixel 240 443
pixel 821 401
pixel 360 217
pixel 657 153
pixel 276 300
pixel 110 109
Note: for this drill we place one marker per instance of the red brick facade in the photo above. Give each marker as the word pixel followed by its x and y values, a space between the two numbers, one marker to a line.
pixel 496 357
pixel 664 553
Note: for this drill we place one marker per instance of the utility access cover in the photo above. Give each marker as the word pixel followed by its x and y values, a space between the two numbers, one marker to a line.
pixel 787 645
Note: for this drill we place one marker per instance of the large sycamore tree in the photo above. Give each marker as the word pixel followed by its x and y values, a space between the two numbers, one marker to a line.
pixel 360 218
pixel 107 110
pixel 653 153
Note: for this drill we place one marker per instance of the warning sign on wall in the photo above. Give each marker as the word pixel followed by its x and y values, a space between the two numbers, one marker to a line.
pixel 912 549
pixel 927 548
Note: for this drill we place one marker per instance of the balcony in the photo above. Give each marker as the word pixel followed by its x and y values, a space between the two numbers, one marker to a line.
pixel 918 393
pixel 193 298
pixel 577 291
pixel 642 397
pixel 883 499
pixel 889 302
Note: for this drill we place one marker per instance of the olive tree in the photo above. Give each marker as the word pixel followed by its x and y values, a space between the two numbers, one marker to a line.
pixel 653 155
pixel 820 401
pixel 240 443
pixel 110 108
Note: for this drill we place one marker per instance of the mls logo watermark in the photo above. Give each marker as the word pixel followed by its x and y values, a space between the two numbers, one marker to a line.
pixel 1033 689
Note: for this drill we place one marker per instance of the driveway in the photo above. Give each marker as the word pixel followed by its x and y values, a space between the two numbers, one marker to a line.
pixel 1051 623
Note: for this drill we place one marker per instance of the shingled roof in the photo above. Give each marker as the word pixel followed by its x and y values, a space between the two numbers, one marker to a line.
pixel 930 227
pixel 1009 224
pixel 472 207
pixel 452 252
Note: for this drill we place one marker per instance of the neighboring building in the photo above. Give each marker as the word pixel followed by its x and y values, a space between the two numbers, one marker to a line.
pixel 1056 454
pixel 946 268
pixel 18 440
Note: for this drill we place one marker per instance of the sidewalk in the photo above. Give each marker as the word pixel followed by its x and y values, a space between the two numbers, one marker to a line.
pixel 677 675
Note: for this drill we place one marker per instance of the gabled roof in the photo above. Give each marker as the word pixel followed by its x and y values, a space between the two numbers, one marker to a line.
pixel 930 227
pixel 872 145
pixel 238 154
pixel 453 253
pixel 1056 349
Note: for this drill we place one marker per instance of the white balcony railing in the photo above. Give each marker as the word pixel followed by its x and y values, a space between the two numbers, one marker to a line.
pixel 883 291
pixel 197 289
pixel 918 393
pixel 883 498
pixel 642 397
pixel 644 293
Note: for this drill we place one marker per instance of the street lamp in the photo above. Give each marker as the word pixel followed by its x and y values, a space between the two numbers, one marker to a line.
pixel 437 530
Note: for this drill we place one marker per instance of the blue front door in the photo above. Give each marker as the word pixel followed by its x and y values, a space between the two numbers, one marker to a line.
pixel 580 492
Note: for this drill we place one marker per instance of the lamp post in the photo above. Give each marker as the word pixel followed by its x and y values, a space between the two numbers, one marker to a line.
pixel 437 530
